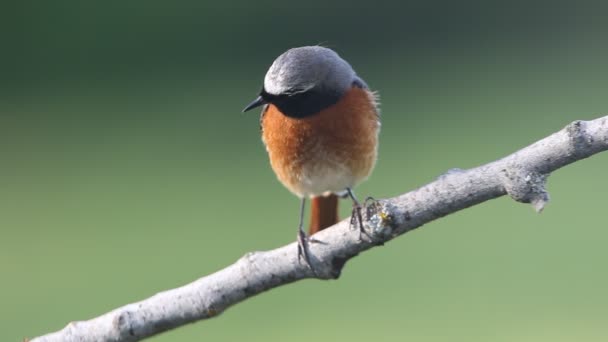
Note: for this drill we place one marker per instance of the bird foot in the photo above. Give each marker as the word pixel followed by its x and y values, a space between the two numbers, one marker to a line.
pixel 303 249
pixel 356 219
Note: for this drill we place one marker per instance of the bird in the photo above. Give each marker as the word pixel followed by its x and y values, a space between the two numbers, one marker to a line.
pixel 320 124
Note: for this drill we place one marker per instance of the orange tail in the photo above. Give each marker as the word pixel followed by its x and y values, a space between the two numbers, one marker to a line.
pixel 324 213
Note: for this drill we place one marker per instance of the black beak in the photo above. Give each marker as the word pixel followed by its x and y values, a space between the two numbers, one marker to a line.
pixel 256 103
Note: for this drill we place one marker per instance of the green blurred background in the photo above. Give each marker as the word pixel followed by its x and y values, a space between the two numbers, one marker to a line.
pixel 127 167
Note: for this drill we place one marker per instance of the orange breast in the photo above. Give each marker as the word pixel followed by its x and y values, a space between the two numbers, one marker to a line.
pixel 325 152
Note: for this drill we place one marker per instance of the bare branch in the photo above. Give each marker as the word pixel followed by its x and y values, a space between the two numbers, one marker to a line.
pixel 522 175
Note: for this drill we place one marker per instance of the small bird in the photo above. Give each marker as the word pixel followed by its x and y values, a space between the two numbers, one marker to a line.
pixel 320 125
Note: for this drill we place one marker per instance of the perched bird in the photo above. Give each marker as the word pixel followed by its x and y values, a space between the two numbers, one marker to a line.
pixel 320 125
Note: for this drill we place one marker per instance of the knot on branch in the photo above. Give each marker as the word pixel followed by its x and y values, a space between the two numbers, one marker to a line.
pixel 380 219
pixel 579 139
pixel 124 323
pixel 526 186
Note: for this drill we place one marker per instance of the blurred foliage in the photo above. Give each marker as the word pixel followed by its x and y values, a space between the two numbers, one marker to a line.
pixel 127 167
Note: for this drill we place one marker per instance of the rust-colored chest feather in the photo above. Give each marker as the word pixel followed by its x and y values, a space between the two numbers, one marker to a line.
pixel 325 152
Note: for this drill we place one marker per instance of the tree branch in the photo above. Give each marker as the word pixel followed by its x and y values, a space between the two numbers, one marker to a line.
pixel 522 175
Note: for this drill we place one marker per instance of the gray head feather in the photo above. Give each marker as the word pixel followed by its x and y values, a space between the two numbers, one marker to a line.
pixel 306 68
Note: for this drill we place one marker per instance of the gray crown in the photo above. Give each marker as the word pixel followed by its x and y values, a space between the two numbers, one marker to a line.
pixel 306 68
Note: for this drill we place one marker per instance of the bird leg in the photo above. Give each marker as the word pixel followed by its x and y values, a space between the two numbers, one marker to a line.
pixel 303 240
pixel 356 214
